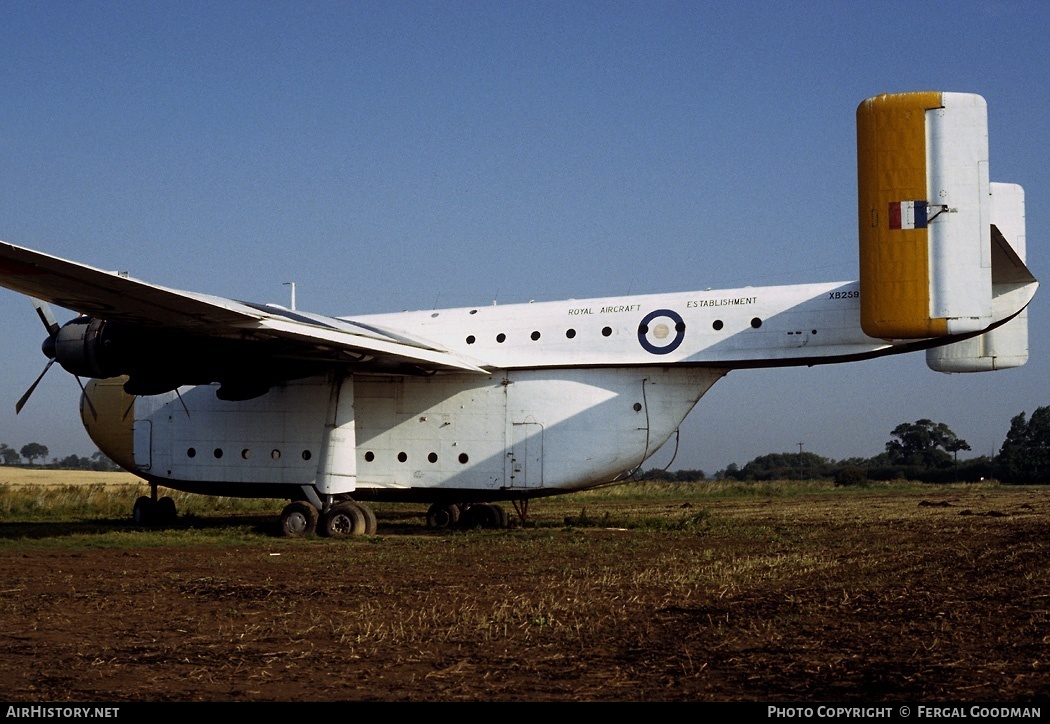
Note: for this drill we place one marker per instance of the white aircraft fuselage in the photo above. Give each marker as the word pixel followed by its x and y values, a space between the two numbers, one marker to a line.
pixel 577 393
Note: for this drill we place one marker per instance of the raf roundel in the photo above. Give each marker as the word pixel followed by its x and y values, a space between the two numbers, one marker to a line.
pixel 661 331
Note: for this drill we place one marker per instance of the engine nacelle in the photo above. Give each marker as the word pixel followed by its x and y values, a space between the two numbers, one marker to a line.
pixel 81 347
pixel 155 361
pixel 90 347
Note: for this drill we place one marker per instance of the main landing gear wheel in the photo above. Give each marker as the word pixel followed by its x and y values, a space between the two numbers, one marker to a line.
pixel 370 519
pixel 443 515
pixel 344 519
pixel 299 519
pixel 484 515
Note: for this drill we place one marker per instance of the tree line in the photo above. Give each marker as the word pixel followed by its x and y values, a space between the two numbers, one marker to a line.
pixel 31 452
pixel 922 450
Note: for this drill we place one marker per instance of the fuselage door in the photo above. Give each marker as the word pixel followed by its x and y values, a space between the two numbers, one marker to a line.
pixel 142 438
pixel 525 456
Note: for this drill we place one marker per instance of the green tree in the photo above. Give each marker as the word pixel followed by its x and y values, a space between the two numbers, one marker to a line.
pixel 924 444
pixel 99 461
pixel 732 471
pixel 785 466
pixel 70 462
pixel 1025 454
pixel 32 451
pixel 9 455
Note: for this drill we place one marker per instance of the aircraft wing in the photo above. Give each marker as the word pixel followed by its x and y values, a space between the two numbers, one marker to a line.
pixel 117 297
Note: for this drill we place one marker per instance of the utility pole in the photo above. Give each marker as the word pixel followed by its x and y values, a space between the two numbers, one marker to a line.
pixel 800 462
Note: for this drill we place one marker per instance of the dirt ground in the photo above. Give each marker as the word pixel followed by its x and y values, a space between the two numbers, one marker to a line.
pixel 938 597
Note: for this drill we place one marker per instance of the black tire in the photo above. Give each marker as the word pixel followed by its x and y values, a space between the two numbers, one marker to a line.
pixel 299 519
pixel 494 517
pixel 344 519
pixel 482 515
pixel 442 516
pixel 471 516
pixel 145 511
pixel 370 518
pixel 165 511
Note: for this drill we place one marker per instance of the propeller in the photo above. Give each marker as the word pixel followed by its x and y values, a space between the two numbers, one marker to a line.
pixel 43 310
pixel 22 400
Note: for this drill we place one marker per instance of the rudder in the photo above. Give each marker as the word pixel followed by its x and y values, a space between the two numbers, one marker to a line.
pixel 924 209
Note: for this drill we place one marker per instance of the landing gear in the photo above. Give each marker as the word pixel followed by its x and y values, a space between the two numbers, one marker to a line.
pixel 300 519
pixel 370 519
pixel 479 515
pixel 149 511
pixel 342 520
pixel 166 511
pixel 142 513
pixel 443 515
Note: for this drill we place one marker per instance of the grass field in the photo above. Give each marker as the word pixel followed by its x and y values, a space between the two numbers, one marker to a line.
pixel 787 592
pixel 18 476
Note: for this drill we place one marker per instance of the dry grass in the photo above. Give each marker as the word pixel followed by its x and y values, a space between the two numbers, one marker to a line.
pixel 890 594
pixel 19 476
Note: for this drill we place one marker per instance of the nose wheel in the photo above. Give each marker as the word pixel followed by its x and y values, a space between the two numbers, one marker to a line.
pixel 150 511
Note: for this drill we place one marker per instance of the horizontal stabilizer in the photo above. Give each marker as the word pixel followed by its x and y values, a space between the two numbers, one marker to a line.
pixel 1012 287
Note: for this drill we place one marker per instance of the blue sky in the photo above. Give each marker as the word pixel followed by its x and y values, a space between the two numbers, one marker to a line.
pixel 410 155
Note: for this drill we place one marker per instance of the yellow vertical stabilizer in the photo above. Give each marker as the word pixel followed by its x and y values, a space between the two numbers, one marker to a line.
pixel 922 172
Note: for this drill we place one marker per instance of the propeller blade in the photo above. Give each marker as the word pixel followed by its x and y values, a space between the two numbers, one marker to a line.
pixel 43 310
pixel 22 401
pixel 83 391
